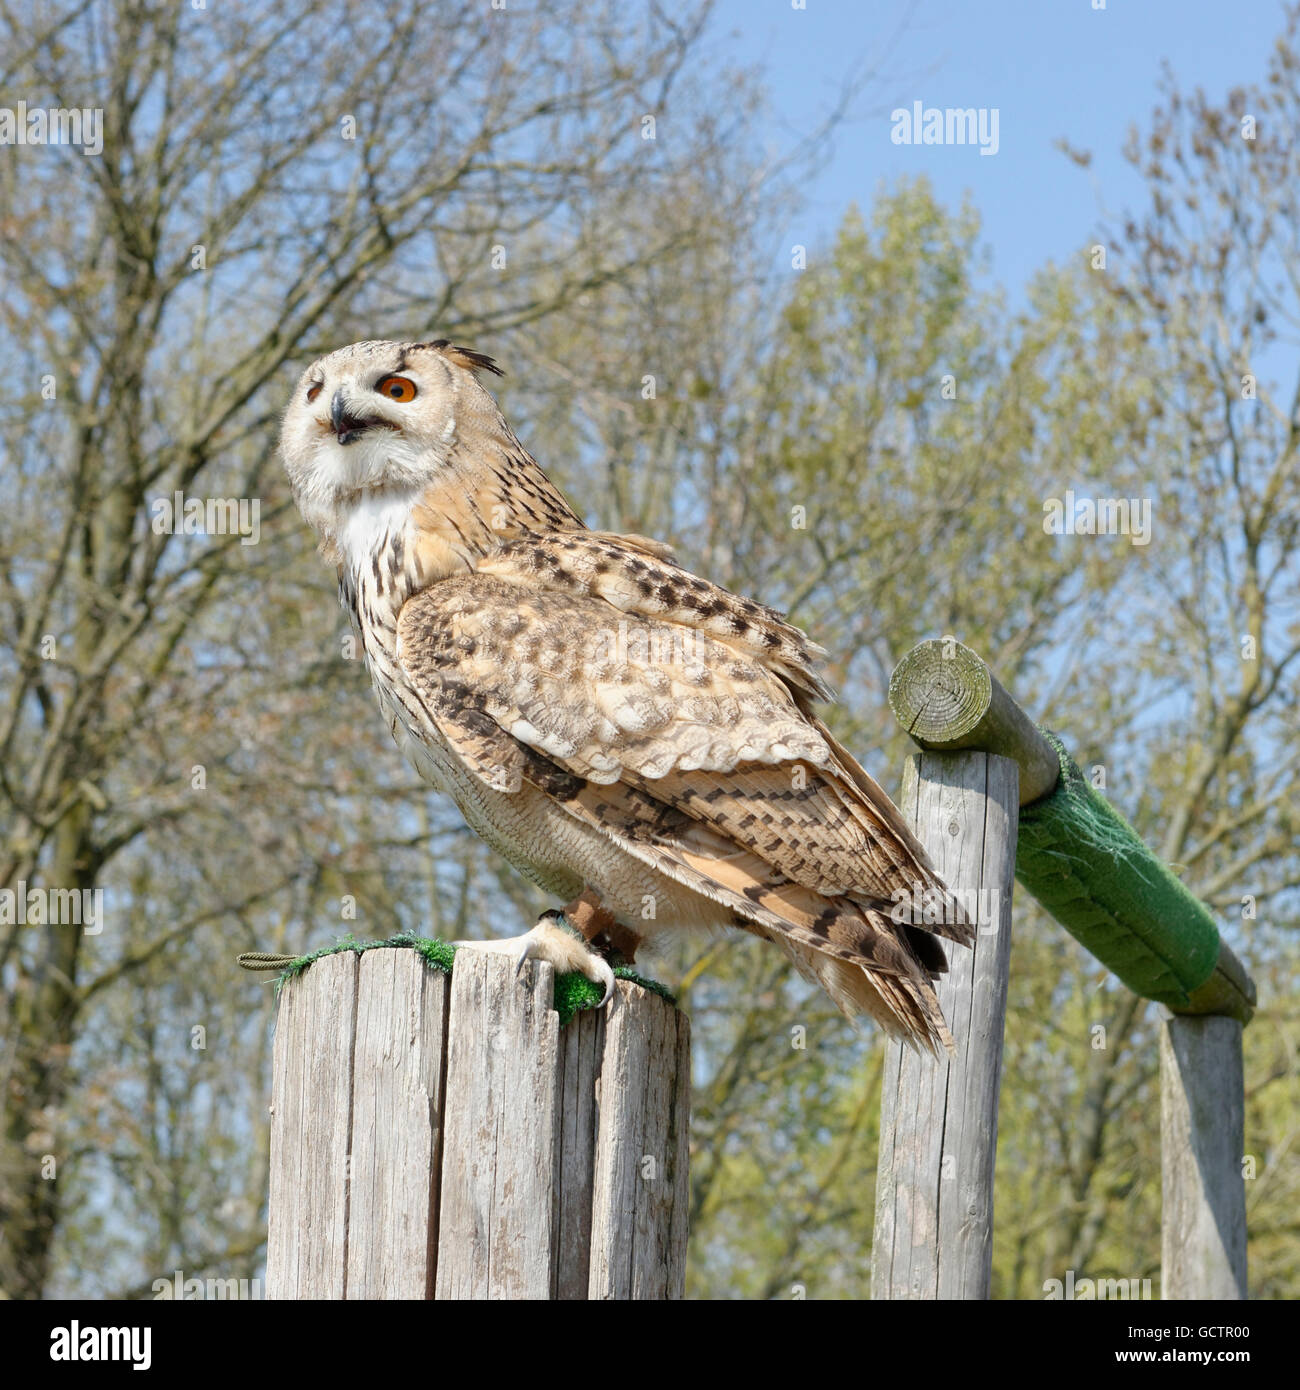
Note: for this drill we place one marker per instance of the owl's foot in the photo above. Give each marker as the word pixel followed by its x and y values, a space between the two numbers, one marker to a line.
pixel 555 941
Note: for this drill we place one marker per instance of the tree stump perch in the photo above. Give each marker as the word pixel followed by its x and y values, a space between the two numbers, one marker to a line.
pixel 444 1137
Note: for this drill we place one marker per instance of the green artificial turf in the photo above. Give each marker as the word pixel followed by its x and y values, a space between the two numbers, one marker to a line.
pixel 1087 866
pixel 573 993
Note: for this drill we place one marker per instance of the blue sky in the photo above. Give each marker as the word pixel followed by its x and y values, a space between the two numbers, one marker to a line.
pixel 1052 68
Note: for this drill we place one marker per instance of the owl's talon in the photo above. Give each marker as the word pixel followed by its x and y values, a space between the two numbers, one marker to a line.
pixel 605 977
pixel 552 940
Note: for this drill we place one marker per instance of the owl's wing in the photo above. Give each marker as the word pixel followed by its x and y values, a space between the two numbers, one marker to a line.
pixel 639 577
pixel 625 718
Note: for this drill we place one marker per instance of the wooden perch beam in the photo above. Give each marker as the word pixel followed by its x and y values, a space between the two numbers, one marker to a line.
pixel 1229 990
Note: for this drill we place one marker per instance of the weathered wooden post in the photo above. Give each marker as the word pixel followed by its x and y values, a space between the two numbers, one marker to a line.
pixel 1202 1139
pixel 444 1137
pixel 939 1117
pixel 1088 868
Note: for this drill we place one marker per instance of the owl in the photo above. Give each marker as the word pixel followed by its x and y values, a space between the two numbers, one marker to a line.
pixel 637 740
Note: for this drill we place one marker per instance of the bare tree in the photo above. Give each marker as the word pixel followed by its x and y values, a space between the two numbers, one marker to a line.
pixel 272 181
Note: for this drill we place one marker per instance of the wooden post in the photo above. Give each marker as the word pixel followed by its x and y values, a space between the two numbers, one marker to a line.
pixel 1202 1136
pixel 436 1137
pixel 939 1118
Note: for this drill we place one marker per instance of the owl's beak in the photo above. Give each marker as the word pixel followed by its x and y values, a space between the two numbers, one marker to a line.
pixel 348 426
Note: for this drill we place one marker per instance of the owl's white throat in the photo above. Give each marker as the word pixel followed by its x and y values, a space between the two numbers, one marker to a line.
pixel 371 520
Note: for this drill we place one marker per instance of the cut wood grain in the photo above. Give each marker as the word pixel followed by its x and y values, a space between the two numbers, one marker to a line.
pixel 311 1104
pixel 947 699
pixel 396 1125
pixel 639 1202
pixel 503 1132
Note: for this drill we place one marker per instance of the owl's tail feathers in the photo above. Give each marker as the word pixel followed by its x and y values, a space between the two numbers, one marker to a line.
pixel 867 962
pixel 927 949
pixel 904 1005
pixel 861 955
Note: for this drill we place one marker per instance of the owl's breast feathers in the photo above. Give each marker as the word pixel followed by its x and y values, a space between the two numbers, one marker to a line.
pixel 674 718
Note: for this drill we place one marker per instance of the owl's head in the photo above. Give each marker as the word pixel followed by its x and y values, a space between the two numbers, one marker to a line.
pixel 380 417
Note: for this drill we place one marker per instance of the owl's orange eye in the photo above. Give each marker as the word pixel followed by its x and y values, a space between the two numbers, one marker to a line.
pixel 397 388
pixel 314 390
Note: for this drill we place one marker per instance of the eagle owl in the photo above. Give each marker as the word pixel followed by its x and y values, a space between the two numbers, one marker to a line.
pixel 637 740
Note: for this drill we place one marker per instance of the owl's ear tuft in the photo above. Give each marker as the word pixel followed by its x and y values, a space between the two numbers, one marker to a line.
pixel 464 357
